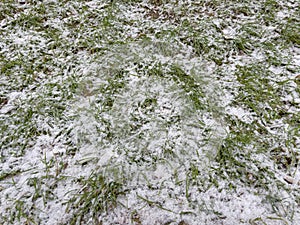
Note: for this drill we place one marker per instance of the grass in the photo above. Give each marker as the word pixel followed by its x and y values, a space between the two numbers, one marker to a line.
pixel 96 196
pixel 115 112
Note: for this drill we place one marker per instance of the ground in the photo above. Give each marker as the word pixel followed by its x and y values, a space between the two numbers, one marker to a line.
pixel 149 112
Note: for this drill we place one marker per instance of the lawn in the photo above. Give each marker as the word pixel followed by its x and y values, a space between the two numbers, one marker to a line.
pixel 150 112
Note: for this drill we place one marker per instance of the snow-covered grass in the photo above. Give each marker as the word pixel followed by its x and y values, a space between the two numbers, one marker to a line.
pixel 150 112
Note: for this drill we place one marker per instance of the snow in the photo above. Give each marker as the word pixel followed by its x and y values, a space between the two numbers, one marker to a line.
pixel 241 114
pixel 150 134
